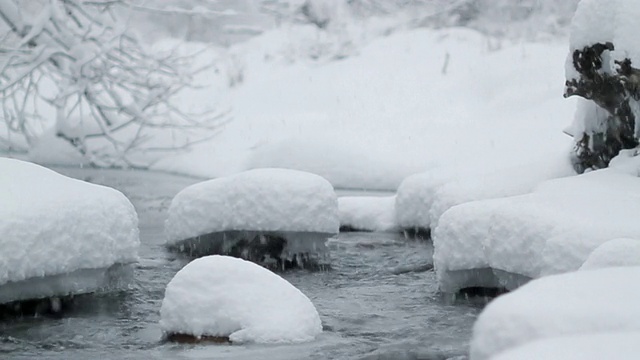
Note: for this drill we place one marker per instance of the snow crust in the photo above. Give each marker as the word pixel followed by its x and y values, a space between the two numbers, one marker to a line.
pixel 229 297
pixel 552 230
pixel 578 303
pixel 613 253
pixel 619 346
pixel 258 200
pixel 368 213
pixel 54 225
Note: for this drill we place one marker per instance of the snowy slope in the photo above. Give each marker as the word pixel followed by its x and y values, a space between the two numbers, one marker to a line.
pixel 228 297
pixel 579 303
pixel 549 231
pixel 54 225
pixel 404 104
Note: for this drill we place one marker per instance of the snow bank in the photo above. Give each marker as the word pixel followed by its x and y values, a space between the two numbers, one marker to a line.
pixel 367 213
pixel 423 198
pixel 619 346
pixel 617 252
pixel 259 200
pixel 334 119
pixel 221 296
pixel 578 303
pixel 549 231
pixel 54 226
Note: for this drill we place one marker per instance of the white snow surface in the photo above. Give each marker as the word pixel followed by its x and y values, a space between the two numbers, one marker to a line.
pixel 577 303
pixel 230 297
pixel 613 253
pixel 619 346
pixel 551 230
pixel 259 200
pixel 423 198
pixel 51 224
pixel 401 105
pixel 368 213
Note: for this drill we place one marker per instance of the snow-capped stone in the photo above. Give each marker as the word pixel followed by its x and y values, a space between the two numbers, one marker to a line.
pixel 221 296
pixel 577 303
pixel 255 200
pixel 423 198
pixel 550 231
pixel 60 235
pixel 619 346
pixel 617 252
pixel 367 213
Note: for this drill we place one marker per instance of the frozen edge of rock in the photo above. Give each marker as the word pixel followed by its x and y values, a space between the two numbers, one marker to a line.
pixel 272 249
pixel 82 281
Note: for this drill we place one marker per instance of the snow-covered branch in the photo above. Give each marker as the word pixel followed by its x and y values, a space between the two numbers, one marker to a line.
pixel 76 59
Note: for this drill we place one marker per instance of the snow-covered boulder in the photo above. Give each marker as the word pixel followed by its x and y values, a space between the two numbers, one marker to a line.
pixel 60 236
pixel 367 213
pixel 224 297
pixel 613 253
pixel 423 198
pixel 619 346
pixel 265 212
pixel 577 303
pixel 505 242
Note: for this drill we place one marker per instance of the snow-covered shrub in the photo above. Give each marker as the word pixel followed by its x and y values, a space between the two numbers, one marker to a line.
pixel 602 68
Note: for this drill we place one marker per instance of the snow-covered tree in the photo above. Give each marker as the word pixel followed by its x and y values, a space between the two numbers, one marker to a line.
pixel 110 96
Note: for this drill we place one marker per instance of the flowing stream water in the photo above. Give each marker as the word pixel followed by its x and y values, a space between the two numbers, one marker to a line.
pixel 379 300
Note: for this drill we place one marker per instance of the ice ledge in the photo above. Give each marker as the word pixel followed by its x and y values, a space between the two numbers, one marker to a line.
pixel 83 281
pixel 272 249
pixel 454 281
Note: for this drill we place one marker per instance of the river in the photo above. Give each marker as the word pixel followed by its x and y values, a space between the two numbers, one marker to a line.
pixel 379 300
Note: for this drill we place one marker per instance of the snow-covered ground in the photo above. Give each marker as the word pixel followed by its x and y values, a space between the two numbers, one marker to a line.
pixel 551 230
pixel 616 252
pixel 403 104
pixel 367 213
pixel 60 236
pixel 582 303
pixel 221 296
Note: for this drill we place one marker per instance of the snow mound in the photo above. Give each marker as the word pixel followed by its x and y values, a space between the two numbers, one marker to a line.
pixel 259 200
pixel 222 296
pixel 58 229
pixel 619 346
pixel 617 252
pixel 280 218
pixel 577 303
pixel 550 231
pixel 423 198
pixel 367 213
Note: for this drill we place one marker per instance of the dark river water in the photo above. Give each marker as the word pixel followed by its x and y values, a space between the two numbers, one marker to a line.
pixel 378 301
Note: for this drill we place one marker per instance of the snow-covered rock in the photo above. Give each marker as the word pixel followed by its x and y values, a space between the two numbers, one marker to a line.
pixel 423 198
pixel 576 303
pixel 221 296
pixel 59 235
pixel 617 252
pixel 367 213
pixel 619 346
pixel 276 212
pixel 505 242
